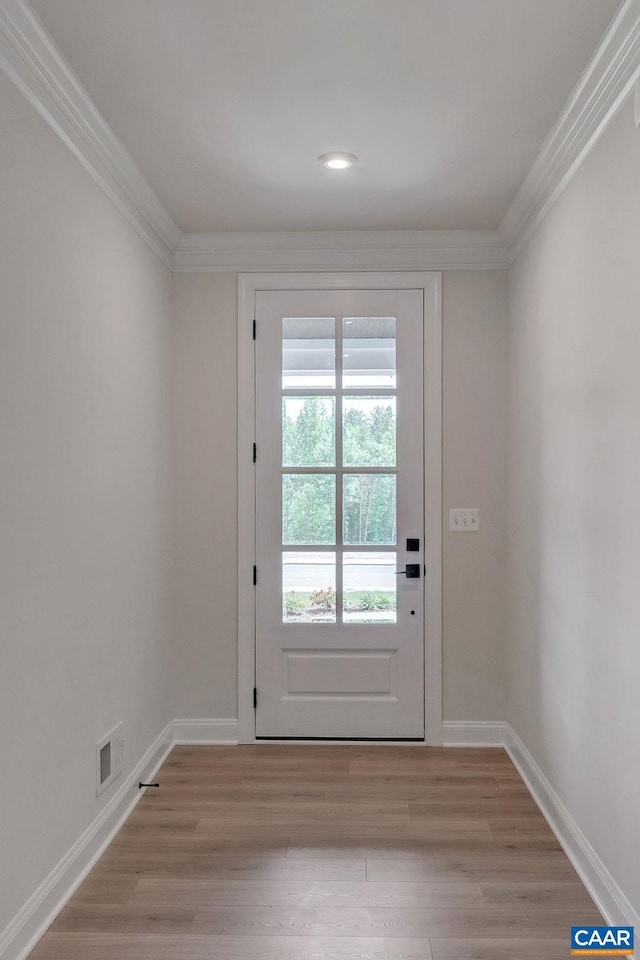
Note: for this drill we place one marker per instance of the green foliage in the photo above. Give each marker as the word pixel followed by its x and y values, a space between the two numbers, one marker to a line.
pixel 377 600
pixel 306 607
pixel 369 436
pixel 324 599
pixel 369 508
pixel 308 502
pixel 308 440
pixel 308 509
pixel 294 603
pixel 369 501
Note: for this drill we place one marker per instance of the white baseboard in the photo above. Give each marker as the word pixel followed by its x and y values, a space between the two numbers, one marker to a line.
pixel 211 731
pixel 473 733
pixel 316 742
pixel 19 938
pixel 24 931
pixel 603 889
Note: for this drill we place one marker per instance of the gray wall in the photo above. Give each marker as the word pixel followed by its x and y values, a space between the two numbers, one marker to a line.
pixel 474 452
pixel 204 388
pixel 111 613
pixel 84 508
pixel 574 522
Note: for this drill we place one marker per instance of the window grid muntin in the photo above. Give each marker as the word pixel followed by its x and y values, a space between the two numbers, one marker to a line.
pixel 339 471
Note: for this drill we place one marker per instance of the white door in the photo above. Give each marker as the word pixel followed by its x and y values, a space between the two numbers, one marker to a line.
pixel 340 514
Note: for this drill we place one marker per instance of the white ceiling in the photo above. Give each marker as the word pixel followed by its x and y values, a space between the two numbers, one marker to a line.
pixel 226 104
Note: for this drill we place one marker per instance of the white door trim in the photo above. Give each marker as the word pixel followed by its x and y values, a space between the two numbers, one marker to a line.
pixel 431 284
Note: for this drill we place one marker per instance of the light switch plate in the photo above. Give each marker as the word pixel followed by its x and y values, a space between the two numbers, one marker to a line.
pixel 464 519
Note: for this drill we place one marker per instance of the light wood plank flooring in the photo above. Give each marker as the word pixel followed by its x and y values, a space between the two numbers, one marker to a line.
pixel 328 853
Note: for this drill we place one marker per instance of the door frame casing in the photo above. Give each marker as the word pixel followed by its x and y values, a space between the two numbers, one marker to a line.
pixel 431 285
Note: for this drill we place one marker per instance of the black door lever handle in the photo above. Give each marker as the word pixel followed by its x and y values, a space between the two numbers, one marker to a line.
pixel 411 571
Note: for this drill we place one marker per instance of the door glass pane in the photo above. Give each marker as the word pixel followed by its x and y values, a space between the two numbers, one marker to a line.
pixel 308 431
pixel 308 352
pixel 369 508
pixel 309 587
pixel 369 587
pixel 369 431
pixel 308 508
pixel 369 352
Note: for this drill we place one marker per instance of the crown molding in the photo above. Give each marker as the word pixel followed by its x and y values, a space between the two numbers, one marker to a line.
pixel 33 62
pixel 607 81
pixel 340 250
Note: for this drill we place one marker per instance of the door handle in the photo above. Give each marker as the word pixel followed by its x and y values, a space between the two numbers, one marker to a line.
pixel 411 571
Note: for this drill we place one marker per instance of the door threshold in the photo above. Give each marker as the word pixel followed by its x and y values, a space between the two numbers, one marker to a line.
pixel 341 740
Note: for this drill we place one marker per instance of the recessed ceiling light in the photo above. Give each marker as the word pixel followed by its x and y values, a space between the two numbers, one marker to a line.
pixel 338 161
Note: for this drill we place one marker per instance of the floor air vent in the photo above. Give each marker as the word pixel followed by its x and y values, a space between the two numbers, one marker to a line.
pixel 109 758
pixel 105 763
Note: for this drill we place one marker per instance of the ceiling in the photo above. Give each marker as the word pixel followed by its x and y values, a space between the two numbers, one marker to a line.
pixel 226 104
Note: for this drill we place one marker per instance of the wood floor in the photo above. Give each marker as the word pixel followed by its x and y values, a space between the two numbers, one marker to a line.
pixel 328 853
